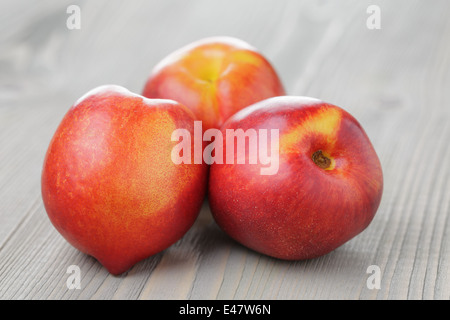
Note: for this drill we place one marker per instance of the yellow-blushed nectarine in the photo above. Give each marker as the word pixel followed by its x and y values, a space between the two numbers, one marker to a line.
pixel 214 77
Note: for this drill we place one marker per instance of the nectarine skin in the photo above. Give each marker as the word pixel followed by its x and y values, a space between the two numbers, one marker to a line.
pixel 214 77
pixel 327 189
pixel 108 183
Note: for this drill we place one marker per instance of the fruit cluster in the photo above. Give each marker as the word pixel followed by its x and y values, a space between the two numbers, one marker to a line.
pixel 110 185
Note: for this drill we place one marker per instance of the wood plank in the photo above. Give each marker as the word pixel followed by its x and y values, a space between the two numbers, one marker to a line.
pixel 393 80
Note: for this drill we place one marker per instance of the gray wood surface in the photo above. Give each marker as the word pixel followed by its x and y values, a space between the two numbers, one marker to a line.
pixel 394 80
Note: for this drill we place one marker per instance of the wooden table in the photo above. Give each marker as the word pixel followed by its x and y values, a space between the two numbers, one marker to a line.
pixel 395 80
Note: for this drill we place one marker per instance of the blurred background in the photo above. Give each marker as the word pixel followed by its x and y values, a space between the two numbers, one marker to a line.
pixel 386 62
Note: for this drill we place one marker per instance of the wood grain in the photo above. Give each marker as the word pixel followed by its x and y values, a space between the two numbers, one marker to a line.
pixel 394 80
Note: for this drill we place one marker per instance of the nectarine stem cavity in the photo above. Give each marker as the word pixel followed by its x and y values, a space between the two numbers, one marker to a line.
pixel 321 160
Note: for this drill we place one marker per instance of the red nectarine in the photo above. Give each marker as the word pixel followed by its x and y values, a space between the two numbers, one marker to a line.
pixel 108 183
pixel 326 191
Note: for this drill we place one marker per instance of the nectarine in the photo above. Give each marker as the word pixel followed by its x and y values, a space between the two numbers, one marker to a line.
pixel 108 183
pixel 326 191
pixel 214 77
